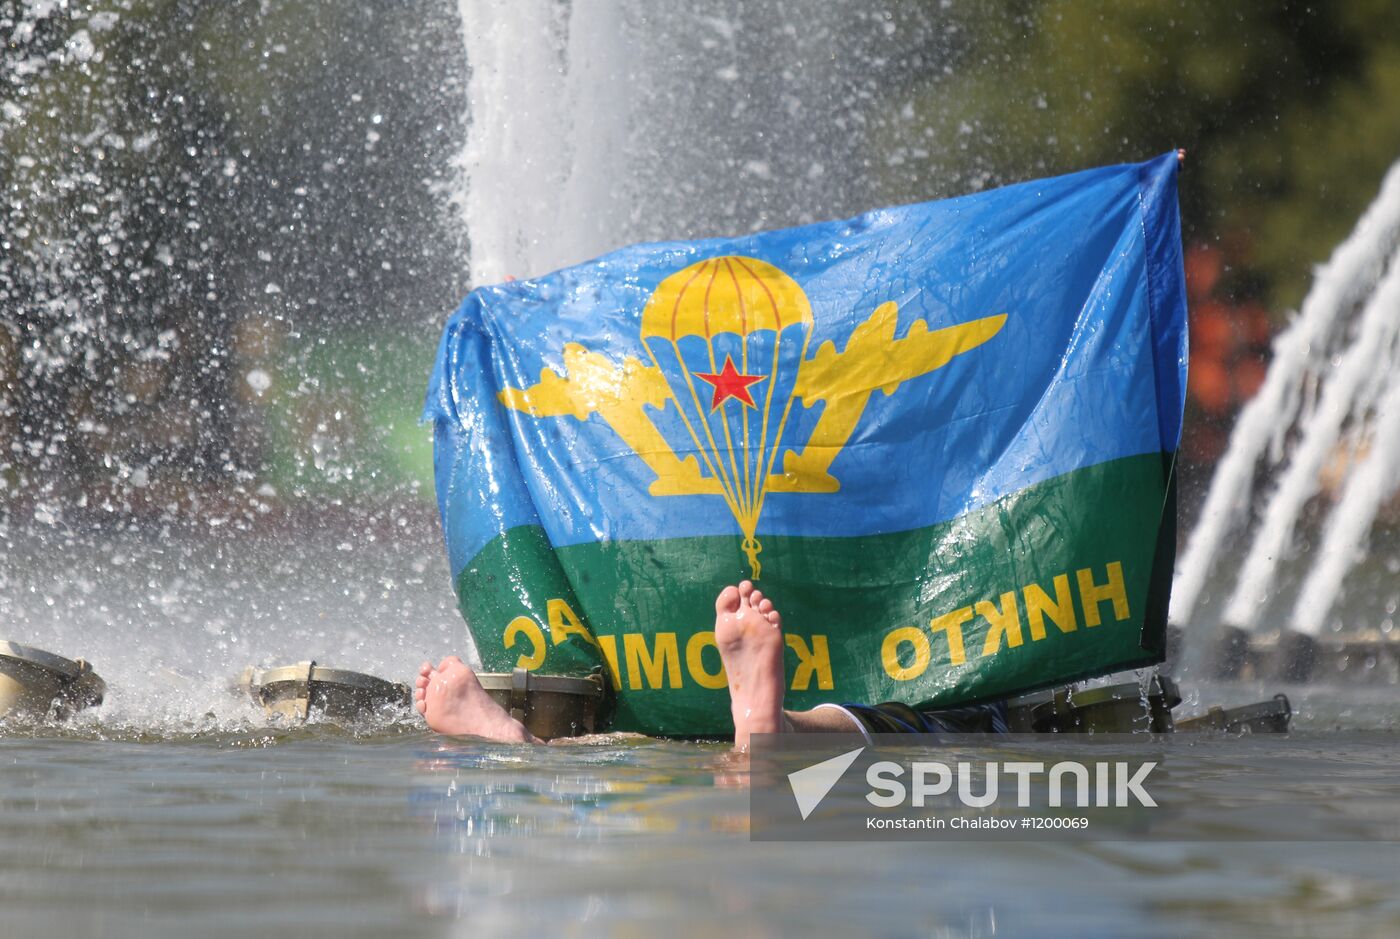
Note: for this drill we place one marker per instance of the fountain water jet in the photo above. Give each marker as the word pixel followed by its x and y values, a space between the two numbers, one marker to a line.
pixel 548 127
pixel 598 123
pixel 1349 392
pixel 1373 479
pixel 1340 284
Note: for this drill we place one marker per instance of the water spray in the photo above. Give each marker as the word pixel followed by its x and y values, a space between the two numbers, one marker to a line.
pixel 1343 282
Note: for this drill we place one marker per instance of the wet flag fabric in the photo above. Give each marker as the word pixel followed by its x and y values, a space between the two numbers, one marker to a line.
pixel 940 436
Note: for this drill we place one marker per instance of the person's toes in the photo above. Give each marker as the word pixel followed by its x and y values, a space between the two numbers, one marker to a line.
pixel 775 619
pixel 727 601
pixel 765 606
pixel 447 662
pixel 745 589
pixel 425 669
pixel 756 599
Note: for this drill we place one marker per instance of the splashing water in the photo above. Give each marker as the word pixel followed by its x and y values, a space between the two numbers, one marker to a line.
pixel 265 276
pixel 1340 285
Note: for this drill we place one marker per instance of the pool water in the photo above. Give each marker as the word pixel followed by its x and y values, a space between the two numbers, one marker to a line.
pixel 394 831
pixel 174 811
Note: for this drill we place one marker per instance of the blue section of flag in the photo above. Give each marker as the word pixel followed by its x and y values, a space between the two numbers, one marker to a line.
pixel 1090 365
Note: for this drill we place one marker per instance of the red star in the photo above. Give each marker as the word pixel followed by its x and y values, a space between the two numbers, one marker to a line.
pixel 730 384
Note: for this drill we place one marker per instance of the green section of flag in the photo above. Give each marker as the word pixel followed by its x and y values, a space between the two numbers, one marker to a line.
pixel 1043 587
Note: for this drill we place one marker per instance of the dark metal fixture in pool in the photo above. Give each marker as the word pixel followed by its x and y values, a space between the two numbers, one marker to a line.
pixel 39 684
pixel 293 692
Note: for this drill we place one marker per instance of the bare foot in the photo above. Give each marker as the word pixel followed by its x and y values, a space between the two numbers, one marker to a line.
pixel 749 633
pixel 453 702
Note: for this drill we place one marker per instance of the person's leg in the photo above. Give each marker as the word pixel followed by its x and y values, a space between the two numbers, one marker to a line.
pixel 749 633
pixel 823 719
pixel 452 701
pixel 894 717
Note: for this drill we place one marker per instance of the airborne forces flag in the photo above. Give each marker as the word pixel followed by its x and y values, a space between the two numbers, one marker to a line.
pixel 940 436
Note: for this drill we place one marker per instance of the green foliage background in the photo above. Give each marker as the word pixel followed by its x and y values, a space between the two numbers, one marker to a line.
pixel 1290 112
pixel 197 191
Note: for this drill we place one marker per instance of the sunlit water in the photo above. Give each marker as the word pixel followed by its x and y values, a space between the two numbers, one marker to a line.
pixel 174 807
pixel 173 810
pixel 398 833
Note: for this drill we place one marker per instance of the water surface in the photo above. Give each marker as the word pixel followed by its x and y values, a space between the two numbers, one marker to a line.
pixel 173 811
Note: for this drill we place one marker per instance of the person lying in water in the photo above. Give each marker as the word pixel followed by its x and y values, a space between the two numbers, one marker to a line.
pixel 749 633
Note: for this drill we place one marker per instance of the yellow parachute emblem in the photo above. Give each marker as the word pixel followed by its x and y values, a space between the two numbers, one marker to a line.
pixel 727 340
